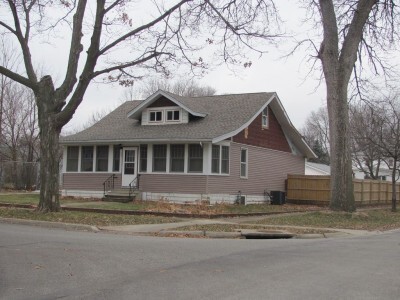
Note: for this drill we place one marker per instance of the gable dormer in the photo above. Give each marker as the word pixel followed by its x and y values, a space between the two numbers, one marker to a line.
pixel 163 108
pixel 164 111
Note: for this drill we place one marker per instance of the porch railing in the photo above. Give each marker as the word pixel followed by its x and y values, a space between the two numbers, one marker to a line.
pixel 108 184
pixel 134 185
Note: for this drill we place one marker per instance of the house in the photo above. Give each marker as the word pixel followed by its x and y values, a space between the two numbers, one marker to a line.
pixel 176 148
pixel 317 169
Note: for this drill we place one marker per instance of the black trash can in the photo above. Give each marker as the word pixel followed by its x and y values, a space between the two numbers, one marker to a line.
pixel 278 197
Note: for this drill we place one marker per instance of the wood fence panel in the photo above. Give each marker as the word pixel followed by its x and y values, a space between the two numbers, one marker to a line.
pixel 316 189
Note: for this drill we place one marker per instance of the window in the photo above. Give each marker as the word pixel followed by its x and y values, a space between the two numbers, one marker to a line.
pixel 102 158
pixel 195 158
pixel 143 158
pixel 156 116
pixel 220 159
pixel 72 158
pixel 225 160
pixel 215 156
pixel 116 157
pixel 265 117
pixel 243 163
pixel 173 115
pixel 87 159
pixel 177 162
pixel 159 158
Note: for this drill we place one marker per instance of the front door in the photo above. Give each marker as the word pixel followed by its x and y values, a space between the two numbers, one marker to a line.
pixel 129 165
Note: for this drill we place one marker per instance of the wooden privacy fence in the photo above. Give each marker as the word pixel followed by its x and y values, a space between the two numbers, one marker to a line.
pixel 312 189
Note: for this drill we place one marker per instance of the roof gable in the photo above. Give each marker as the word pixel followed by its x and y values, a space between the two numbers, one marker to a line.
pixel 157 96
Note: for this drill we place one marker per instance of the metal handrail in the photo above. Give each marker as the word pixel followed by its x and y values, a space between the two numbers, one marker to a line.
pixel 134 185
pixel 109 183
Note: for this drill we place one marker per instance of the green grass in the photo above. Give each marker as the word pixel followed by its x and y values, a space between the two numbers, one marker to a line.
pixel 19 198
pixel 96 219
pixel 380 219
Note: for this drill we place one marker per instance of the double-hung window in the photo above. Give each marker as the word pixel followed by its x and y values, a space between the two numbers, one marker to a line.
pixel 195 158
pixel 102 158
pixel 220 159
pixel 159 158
pixel 72 158
pixel 243 163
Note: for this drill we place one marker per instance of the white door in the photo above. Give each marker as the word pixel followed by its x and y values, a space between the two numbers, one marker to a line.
pixel 129 165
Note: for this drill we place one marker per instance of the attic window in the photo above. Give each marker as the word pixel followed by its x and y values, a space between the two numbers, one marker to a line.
pixel 173 115
pixel 265 118
pixel 156 116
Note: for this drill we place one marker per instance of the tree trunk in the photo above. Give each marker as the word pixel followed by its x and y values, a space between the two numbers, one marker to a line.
pixel 49 147
pixel 342 195
pixel 394 198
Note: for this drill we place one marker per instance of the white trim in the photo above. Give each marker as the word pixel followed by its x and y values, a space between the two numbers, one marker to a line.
pixel 152 98
pixel 133 141
pixel 155 110
pixel 235 132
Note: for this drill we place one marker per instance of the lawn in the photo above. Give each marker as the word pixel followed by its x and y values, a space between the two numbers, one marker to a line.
pixel 95 219
pixel 373 219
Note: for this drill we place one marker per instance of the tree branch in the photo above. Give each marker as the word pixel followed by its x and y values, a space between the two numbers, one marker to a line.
pixel 18 78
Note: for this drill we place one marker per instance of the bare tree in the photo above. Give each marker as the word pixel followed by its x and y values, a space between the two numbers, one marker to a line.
pixel 351 31
pixel 367 157
pixel 122 49
pixel 180 87
pixel 316 134
pixel 382 118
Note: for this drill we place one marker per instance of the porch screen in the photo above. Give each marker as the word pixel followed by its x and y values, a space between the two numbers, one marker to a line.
pixel 72 158
pixel 195 158
pixel 102 158
pixel 159 158
pixel 87 159
pixel 177 163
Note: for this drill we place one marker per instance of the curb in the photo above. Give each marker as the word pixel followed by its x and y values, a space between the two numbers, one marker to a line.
pixel 49 224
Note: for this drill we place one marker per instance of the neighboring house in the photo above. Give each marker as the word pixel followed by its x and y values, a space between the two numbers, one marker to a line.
pixel 384 174
pixel 188 148
pixel 317 169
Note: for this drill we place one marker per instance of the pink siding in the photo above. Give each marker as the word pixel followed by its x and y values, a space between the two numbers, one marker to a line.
pixel 267 169
pixel 87 181
pixel 173 183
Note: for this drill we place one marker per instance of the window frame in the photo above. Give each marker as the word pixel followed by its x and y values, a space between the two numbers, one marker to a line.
pixel 173 111
pixel 265 117
pixel 191 158
pixel 116 151
pixel 102 158
pixel 83 159
pixel 143 148
pixel 68 159
pixel 216 159
pixel 244 163
pixel 165 159
pixel 172 159
pixel 155 111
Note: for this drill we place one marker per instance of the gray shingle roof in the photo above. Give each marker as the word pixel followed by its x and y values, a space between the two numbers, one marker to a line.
pixel 224 114
pixel 218 117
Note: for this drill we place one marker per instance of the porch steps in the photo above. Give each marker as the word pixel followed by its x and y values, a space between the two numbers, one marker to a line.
pixel 121 195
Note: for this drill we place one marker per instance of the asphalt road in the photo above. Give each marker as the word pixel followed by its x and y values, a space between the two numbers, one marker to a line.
pixel 39 263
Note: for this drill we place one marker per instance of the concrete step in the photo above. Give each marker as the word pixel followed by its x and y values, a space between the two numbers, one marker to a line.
pixel 121 195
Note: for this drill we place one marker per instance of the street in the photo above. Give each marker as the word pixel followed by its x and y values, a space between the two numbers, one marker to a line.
pixel 40 263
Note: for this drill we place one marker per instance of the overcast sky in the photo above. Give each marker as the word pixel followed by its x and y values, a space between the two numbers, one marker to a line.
pixel 299 91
